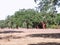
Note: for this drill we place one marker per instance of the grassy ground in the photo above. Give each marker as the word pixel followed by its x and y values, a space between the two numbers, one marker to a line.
pixel 29 36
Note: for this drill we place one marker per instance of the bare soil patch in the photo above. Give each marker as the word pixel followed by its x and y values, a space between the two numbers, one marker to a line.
pixel 24 36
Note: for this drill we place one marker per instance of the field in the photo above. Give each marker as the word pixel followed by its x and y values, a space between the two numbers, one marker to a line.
pixel 23 36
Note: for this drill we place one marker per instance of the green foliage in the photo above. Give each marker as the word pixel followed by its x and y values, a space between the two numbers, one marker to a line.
pixel 25 18
pixel 47 5
pixel 2 24
pixel 48 10
pixel 21 18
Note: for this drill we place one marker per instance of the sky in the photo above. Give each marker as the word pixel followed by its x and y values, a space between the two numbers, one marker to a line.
pixel 8 7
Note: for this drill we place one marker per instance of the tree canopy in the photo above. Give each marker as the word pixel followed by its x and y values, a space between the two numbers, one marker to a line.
pixel 27 18
pixel 47 5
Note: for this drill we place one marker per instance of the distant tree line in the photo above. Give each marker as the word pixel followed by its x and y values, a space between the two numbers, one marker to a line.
pixel 45 13
pixel 28 18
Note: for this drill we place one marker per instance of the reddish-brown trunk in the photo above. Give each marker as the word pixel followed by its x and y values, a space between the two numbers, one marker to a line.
pixel 44 25
pixel 41 25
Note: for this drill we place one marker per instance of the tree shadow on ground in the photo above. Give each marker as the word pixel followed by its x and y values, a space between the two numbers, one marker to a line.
pixel 46 44
pixel 11 37
pixel 11 32
pixel 53 35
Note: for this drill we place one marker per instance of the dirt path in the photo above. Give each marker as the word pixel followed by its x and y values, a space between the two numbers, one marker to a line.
pixel 29 36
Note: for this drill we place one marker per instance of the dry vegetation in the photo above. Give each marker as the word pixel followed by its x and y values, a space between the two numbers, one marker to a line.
pixel 29 36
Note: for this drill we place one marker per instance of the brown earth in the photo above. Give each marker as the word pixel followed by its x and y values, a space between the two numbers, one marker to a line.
pixel 24 36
